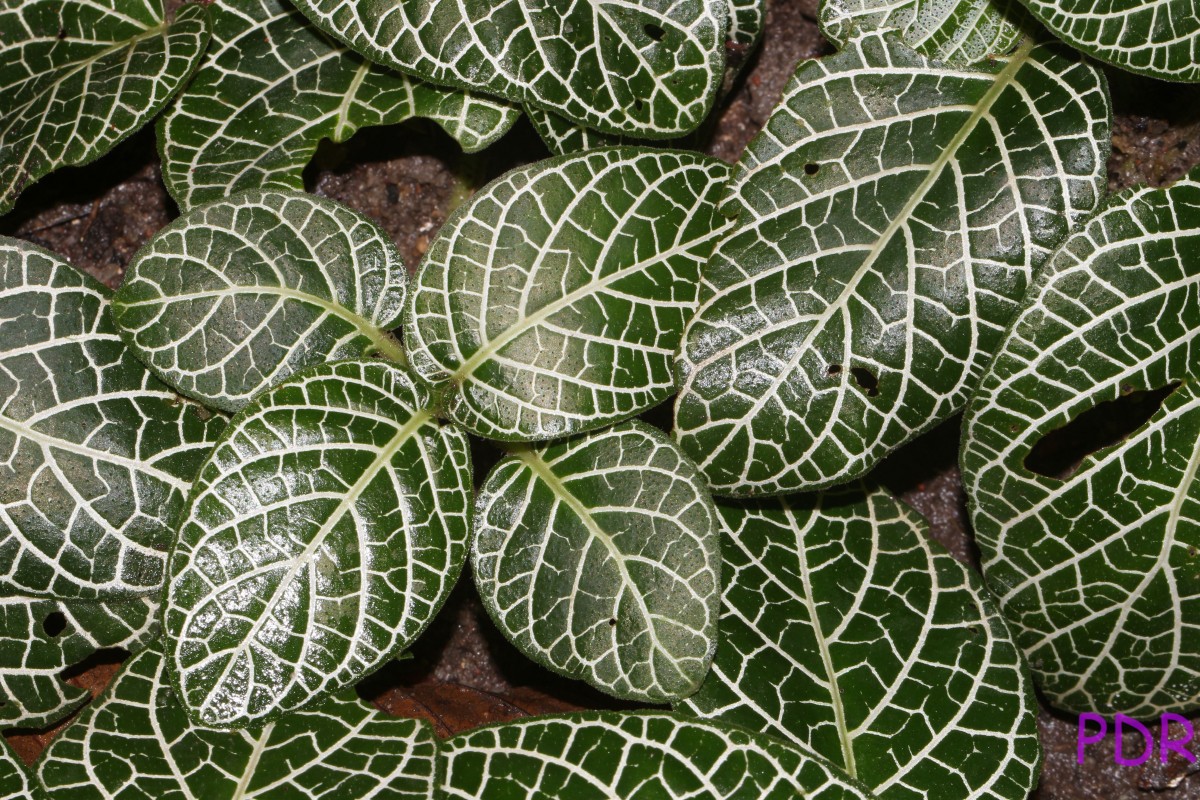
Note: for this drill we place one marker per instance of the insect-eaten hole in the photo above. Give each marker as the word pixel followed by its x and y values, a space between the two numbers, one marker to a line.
pixel 655 32
pixel 866 380
pixel 1060 452
pixel 811 168
pixel 612 622
pixel 54 623
pixel 638 105
pixel 833 369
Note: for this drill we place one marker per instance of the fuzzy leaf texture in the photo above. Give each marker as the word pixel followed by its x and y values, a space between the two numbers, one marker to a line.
pixel 600 558
pixel 79 76
pixel 96 456
pixel 40 639
pixel 1095 562
pixel 553 302
pixel 648 755
pixel 1157 38
pixel 324 533
pixel 236 295
pixel 136 743
pixel 846 631
pixel 647 69
pixel 889 218
pixel 957 33
pixel 267 62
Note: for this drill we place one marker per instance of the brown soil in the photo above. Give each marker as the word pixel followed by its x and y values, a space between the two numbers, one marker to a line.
pixel 462 672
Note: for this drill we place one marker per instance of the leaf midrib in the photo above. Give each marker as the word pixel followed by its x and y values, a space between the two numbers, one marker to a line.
pixel 383 341
pixel 559 489
pixel 1001 82
pixel 298 562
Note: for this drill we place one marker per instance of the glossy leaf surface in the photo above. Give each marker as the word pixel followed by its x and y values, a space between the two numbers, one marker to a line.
pixel 78 76
pixel 553 302
pixel 846 631
pixel 646 69
pixel 959 33
pixel 96 456
pixel 1095 559
pixel 1158 38
pixel 651 755
pixel 136 743
pixel 600 558
pixel 324 533
pixel 236 295
pixel 889 217
pixel 267 62
pixel 40 639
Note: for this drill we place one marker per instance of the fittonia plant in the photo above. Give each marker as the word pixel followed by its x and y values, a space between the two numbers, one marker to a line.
pixel 906 217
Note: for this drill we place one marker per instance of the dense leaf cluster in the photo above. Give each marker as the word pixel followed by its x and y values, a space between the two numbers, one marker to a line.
pixel 251 466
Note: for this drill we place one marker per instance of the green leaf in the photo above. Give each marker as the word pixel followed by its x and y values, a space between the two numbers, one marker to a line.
pixel 236 295
pixel 268 63
pixel 651 755
pixel 553 302
pixel 846 631
pixel 1159 38
pixel 137 742
pixel 14 777
pixel 649 70
pixel 325 531
pixel 889 218
pixel 562 136
pixel 79 76
pixel 1096 563
pixel 39 639
pixel 96 456
pixel 600 558
pixel 959 33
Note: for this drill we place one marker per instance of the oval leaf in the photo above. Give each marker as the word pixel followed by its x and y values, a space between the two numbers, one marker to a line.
pixel 600 558
pixel 234 296
pixel 888 220
pixel 960 33
pixel 846 631
pixel 647 69
pixel 96 456
pixel 137 741
pixel 41 639
pixel 553 302
pixel 78 76
pixel 268 62
pixel 1160 38
pixel 600 756
pixel 324 533
pixel 1096 562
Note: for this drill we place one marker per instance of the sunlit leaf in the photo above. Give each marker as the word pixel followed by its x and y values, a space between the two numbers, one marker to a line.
pixel 889 218
pixel 324 533
pixel 553 302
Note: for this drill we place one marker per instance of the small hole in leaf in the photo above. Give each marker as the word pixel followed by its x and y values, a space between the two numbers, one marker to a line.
pixel 1059 453
pixel 55 623
pixel 62 33
pixel 974 629
pixel 638 104
pixel 613 622
pixel 655 32
pixel 866 380
pixel 811 168
pixel 834 369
